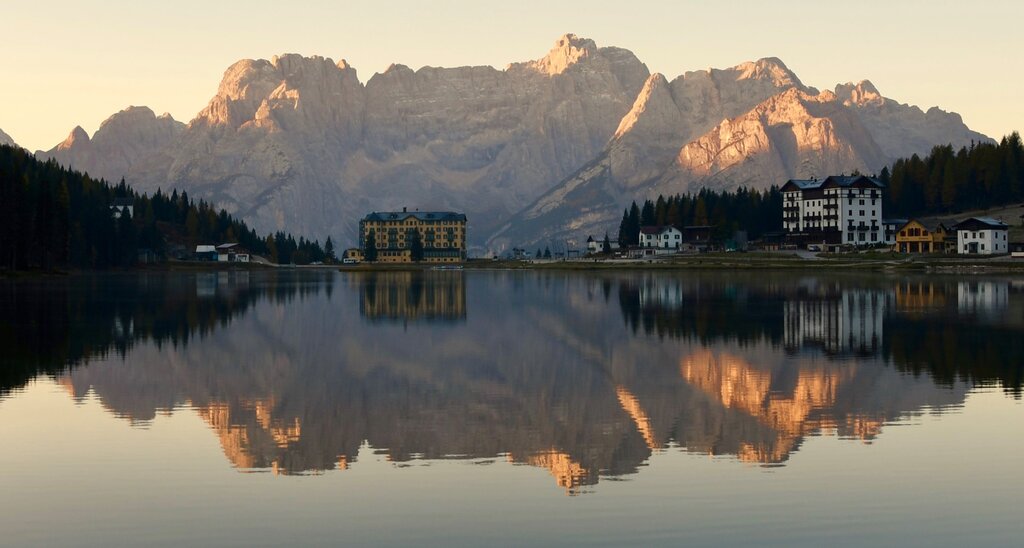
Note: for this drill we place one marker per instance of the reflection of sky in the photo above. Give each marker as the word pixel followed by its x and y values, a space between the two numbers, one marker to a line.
pixel 950 480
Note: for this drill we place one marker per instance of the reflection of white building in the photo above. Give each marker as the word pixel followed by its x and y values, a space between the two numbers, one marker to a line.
pixel 982 297
pixel 850 323
pixel 661 293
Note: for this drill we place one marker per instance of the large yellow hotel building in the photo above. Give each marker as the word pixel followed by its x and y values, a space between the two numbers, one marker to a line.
pixel 443 234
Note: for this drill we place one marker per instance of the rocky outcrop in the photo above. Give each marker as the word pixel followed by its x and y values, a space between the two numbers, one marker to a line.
pixel 754 125
pixel 549 148
pixel 124 142
pixel 6 139
pixel 903 130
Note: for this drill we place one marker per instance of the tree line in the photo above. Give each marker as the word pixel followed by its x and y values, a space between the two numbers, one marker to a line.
pixel 978 176
pixel 754 211
pixel 53 217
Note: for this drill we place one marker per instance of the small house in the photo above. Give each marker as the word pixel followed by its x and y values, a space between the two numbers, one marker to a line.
pixel 205 253
pixel 122 205
pixel 663 237
pixel 917 236
pixel 982 236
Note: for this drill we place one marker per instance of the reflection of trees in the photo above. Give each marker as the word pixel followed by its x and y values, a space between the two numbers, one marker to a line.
pixel 50 325
pixel 548 377
pixel 929 324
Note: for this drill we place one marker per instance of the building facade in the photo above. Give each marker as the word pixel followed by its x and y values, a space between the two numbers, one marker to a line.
pixel 922 237
pixel 662 237
pixel 441 233
pixel 834 211
pixel 982 236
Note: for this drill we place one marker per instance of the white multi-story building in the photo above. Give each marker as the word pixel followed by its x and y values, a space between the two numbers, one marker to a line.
pixel 982 236
pixel 662 237
pixel 835 210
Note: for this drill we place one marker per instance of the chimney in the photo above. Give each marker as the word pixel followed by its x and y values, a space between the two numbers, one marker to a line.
pixel 404 209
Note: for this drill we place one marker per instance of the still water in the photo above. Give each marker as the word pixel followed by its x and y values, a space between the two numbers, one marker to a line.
pixel 511 408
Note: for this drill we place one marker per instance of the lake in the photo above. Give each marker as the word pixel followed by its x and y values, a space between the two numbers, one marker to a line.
pixel 511 408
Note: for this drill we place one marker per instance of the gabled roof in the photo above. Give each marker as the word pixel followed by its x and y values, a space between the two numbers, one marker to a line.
pixel 844 181
pixel 656 229
pixel 931 226
pixel 223 247
pixel 206 249
pixel 122 202
pixel 420 215
pixel 981 223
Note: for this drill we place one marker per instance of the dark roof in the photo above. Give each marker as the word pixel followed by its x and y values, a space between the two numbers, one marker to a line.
pixel 421 215
pixel 899 222
pixel 654 229
pixel 858 181
pixel 930 225
pixel 121 202
pixel 226 246
pixel 981 223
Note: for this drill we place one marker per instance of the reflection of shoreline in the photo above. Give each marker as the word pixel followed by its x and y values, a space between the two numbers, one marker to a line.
pixel 548 376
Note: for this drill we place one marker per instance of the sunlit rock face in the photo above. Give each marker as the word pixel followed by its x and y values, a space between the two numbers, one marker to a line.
pixel 548 148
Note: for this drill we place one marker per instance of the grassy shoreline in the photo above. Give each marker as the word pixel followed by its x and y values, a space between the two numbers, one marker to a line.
pixel 878 262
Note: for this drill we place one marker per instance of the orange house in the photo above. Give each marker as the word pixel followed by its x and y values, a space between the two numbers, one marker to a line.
pixel 921 237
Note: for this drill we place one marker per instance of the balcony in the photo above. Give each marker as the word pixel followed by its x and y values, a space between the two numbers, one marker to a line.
pixel 791 208
pixel 832 217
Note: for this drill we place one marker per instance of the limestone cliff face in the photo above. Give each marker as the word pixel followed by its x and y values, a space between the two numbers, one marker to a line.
pixel 902 130
pixel 124 142
pixel 546 149
pixel 754 125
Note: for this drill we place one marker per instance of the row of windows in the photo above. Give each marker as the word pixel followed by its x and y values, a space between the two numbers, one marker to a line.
pixel 976 235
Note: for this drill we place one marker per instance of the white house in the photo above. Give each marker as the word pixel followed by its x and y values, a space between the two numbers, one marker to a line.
pixel 834 210
pixel 982 236
pixel 663 237
pixel 122 205
pixel 597 246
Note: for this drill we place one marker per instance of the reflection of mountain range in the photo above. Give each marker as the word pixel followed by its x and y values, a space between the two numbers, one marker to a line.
pixel 547 373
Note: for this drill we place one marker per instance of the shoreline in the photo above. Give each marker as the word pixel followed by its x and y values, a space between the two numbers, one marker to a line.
pixel 716 261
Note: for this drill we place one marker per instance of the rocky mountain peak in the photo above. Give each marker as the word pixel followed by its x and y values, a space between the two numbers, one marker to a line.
pixel 6 139
pixel 771 69
pixel 78 136
pixel 859 94
pixel 567 51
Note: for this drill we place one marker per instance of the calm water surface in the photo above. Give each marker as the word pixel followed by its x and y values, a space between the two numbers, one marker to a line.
pixel 468 408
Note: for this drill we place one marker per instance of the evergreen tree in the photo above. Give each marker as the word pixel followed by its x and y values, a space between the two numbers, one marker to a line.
pixel 606 246
pixel 547 252
pixel 370 247
pixel 415 245
pixel 329 251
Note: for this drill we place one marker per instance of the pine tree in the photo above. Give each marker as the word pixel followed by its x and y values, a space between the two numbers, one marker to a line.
pixel 329 251
pixel 370 247
pixel 606 246
pixel 415 245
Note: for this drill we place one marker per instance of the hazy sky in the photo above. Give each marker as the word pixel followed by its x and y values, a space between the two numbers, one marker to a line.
pixel 75 62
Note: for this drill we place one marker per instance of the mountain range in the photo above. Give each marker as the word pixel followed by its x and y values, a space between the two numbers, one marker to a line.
pixel 550 149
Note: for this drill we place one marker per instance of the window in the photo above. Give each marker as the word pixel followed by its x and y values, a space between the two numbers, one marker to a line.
pixel 849 236
pixel 862 203
pixel 862 211
pixel 874 236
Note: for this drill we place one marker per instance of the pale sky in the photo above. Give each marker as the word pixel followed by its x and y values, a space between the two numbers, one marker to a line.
pixel 76 62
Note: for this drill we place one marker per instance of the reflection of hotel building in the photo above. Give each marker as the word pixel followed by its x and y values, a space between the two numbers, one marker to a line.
pixel 413 296
pixel 851 322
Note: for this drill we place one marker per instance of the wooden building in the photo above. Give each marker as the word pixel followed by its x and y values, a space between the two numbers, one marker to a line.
pixel 922 237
